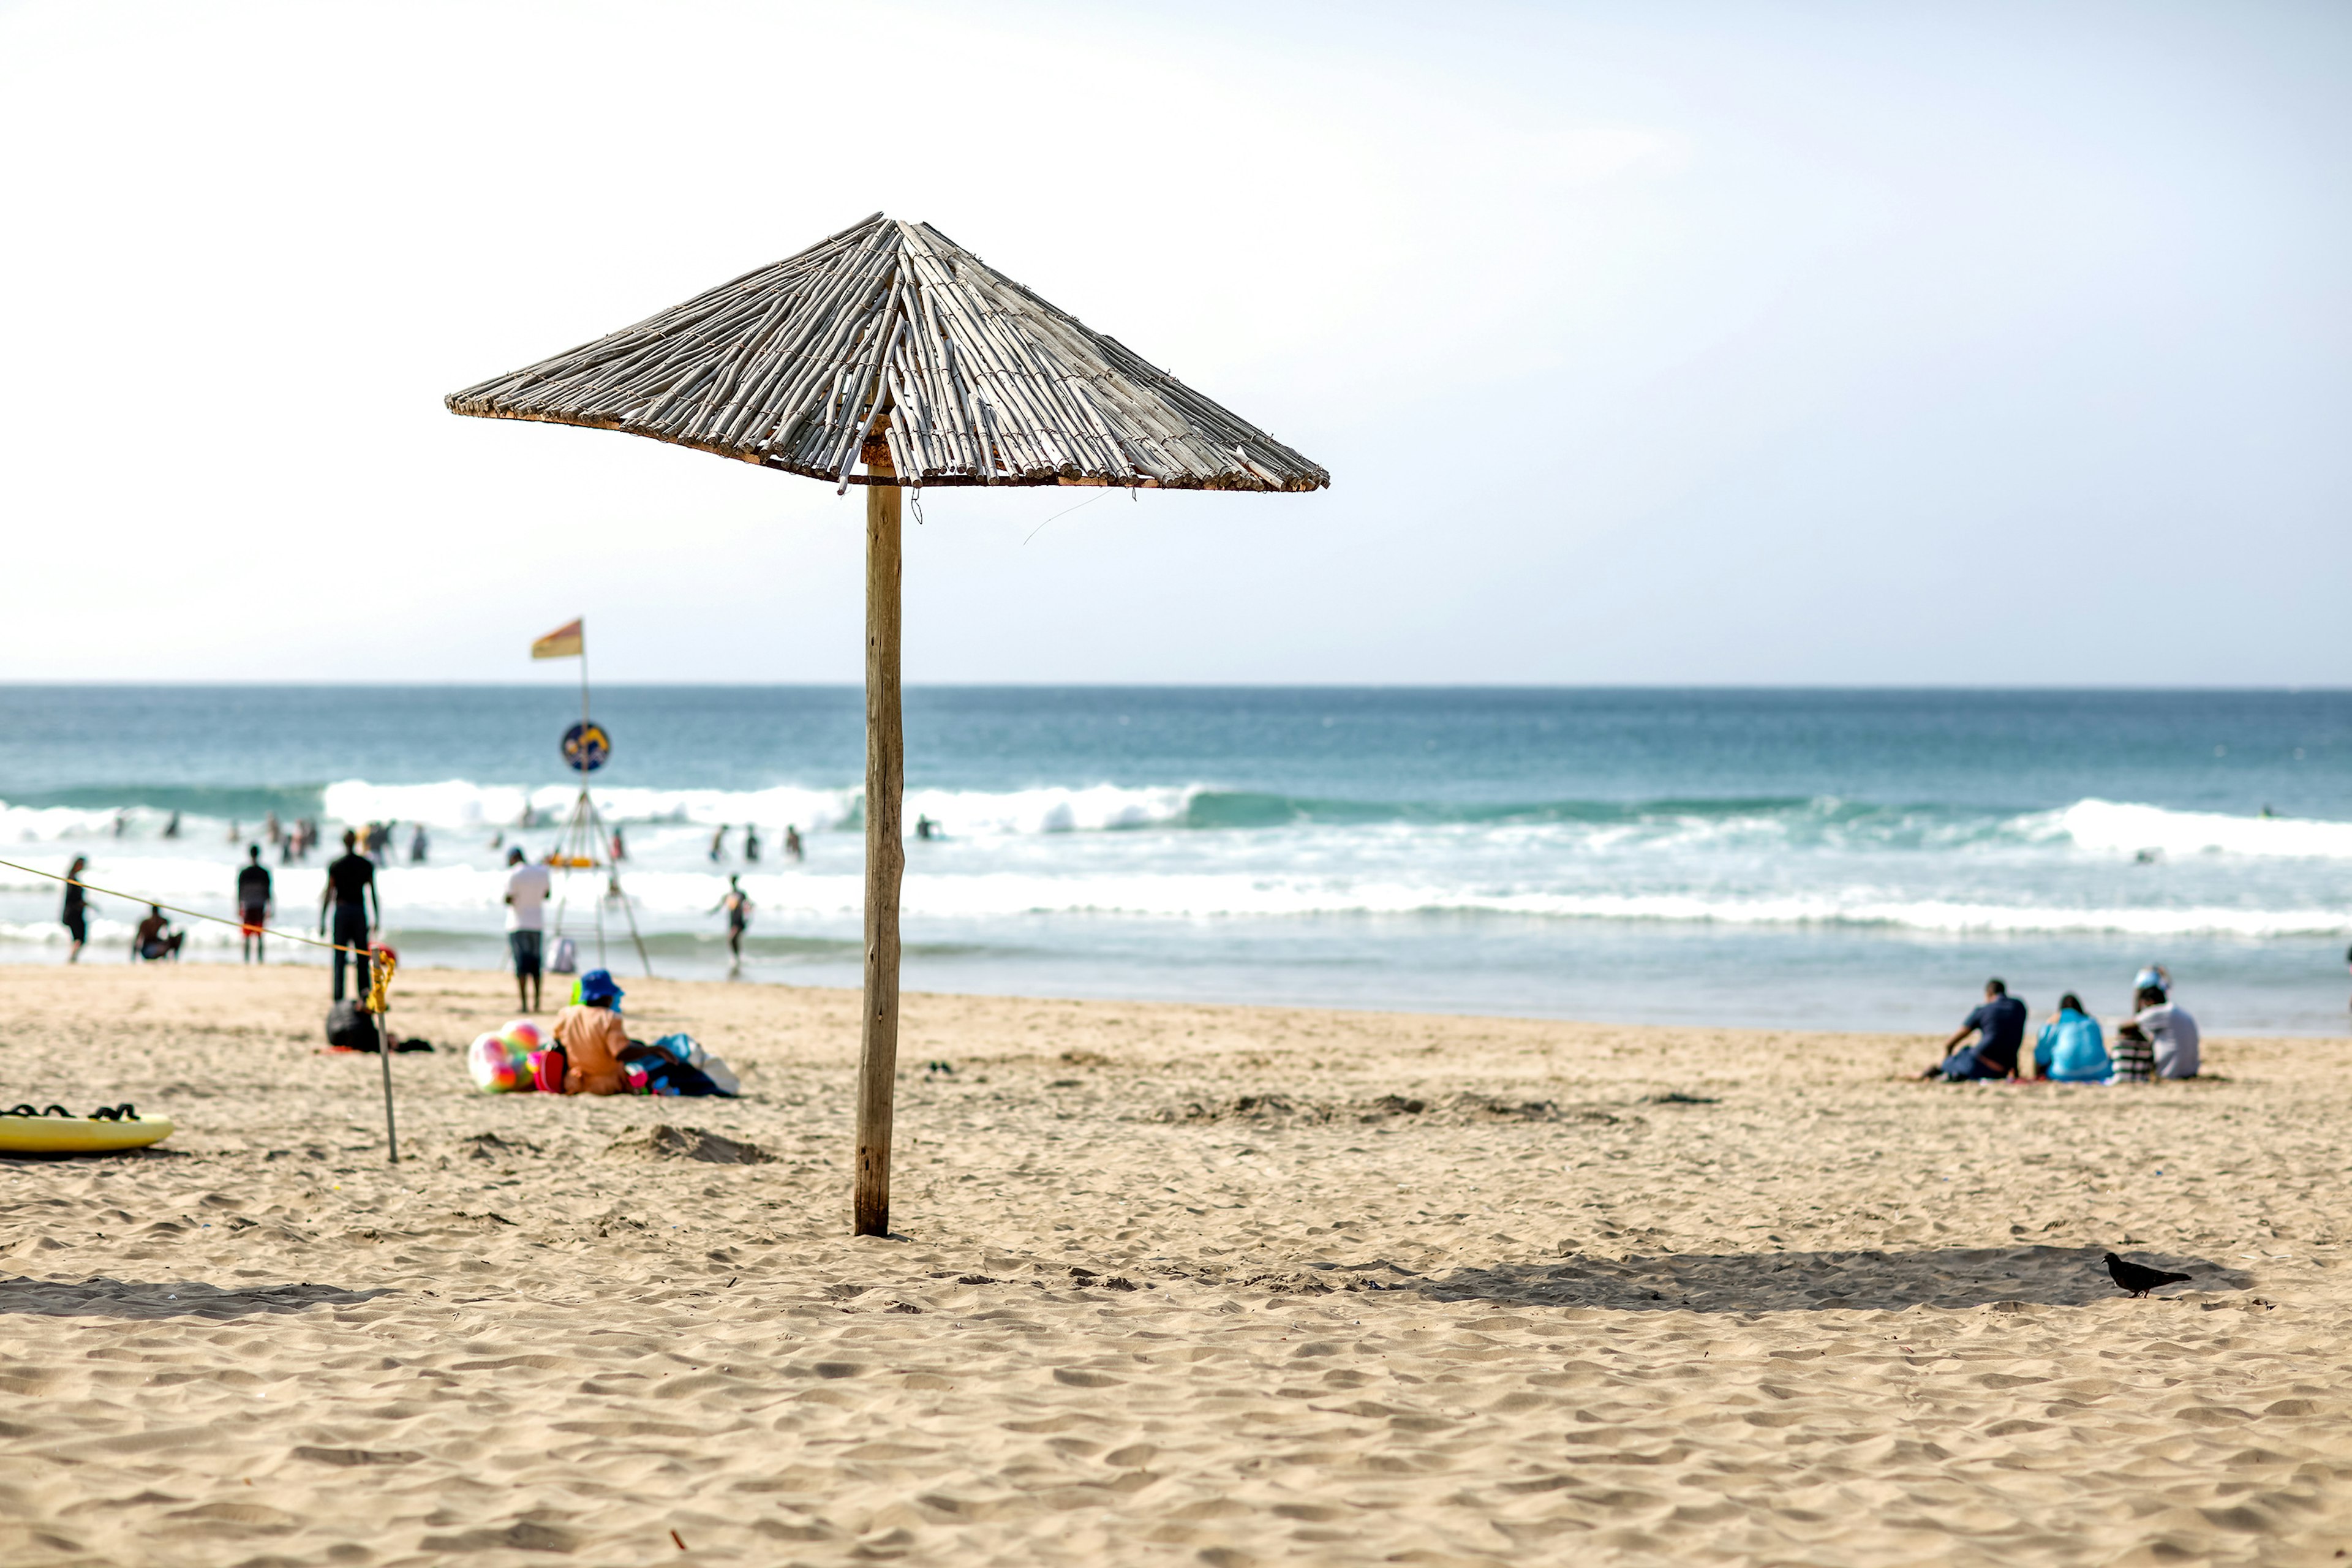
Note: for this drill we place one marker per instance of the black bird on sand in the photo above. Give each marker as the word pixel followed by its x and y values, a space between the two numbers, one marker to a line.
pixel 2139 1278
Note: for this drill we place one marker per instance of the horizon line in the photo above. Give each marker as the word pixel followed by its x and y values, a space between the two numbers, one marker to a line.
pixel 92 683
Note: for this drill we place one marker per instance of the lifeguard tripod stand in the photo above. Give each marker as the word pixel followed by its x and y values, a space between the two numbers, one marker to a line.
pixel 585 847
pixel 585 843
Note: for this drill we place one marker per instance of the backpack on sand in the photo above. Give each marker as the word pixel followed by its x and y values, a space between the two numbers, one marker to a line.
pixel 350 1027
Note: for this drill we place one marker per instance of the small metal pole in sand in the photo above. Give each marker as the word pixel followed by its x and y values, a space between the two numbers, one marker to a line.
pixel 379 1004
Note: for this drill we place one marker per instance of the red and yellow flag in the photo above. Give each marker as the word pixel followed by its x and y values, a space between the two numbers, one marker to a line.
pixel 563 642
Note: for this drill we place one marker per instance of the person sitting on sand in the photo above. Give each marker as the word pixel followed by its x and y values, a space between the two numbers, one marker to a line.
pixel 1999 1028
pixel 155 938
pixel 2070 1048
pixel 2171 1035
pixel 592 1037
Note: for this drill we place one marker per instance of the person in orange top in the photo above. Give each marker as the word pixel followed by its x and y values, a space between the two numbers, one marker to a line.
pixel 592 1037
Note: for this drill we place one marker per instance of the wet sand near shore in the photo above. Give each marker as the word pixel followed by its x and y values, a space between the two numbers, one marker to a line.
pixel 1169 1284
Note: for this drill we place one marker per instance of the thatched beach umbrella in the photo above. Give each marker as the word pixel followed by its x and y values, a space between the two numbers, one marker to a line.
pixel 891 346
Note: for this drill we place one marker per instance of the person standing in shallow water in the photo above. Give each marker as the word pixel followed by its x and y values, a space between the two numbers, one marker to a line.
pixel 738 905
pixel 750 844
pixel 254 896
pixel 76 913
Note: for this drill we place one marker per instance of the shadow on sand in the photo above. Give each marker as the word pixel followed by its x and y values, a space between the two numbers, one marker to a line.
pixel 1958 1277
pixel 103 1298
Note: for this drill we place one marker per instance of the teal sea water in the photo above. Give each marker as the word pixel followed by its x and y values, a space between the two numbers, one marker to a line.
pixel 1845 859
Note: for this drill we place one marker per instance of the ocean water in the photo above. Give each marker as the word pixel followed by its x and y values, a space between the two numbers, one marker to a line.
pixel 1816 858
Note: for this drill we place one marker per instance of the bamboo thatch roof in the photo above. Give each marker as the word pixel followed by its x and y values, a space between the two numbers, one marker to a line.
pixel 971 378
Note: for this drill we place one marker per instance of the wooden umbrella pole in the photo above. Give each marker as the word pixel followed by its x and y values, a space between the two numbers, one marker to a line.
pixel 886 853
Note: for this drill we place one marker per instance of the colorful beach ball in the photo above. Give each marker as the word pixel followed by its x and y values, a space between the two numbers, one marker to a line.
pixel 525 1037
pixel 497 1068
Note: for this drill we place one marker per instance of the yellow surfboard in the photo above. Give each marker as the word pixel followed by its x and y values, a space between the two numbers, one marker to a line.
pixel 80 1134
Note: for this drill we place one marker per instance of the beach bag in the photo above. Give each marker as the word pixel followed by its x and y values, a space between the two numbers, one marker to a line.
pixel 680 1047
pixel 566 960
pixel 350 1027
pixel 548 1069
pixel 722 1078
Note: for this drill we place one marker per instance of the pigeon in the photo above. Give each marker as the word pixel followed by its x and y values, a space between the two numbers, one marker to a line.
pixel 2139 1278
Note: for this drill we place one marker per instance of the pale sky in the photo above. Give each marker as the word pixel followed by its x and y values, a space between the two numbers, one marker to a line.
pixel 1860 343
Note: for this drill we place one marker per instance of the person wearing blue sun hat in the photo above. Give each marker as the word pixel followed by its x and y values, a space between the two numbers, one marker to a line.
pixel 592 1037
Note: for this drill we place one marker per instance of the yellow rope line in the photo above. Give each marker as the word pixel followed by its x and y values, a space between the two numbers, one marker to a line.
pixel 377 1001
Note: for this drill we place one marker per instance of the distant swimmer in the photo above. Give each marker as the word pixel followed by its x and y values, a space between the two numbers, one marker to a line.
pixel 75 914
pixel 418 845
pixel 235 832
pixel 738 905
pixel 122 822
pixel 750 844
pixel 254 896
pixel 792 842
pixel 155 938
pixel 926 828
pixel 270 828
pixel 620 847
pixel 172 829
pixel 718 843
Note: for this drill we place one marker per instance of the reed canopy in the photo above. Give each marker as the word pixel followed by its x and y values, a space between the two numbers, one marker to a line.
pixel 891 328
pixel 889 344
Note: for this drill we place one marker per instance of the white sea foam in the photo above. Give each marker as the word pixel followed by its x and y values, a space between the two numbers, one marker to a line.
pixel 1052 850
pixel 2127 828
pixel 47 824
pixel 463 804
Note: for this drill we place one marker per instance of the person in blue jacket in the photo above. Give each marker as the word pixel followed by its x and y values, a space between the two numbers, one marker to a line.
pixel 2070 1048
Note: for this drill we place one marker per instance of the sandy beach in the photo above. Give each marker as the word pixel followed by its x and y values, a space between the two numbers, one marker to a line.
pixel 1179 1283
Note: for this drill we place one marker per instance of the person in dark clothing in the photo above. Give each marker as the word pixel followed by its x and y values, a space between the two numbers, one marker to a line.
pixel 254 896
pixel 75 914
pixel 738 905
pixel 350 889
pixel 155 938
pixel 1999 1028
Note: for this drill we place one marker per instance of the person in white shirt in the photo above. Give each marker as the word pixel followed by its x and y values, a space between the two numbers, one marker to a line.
pixel 527 888
pixel 2170 1030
